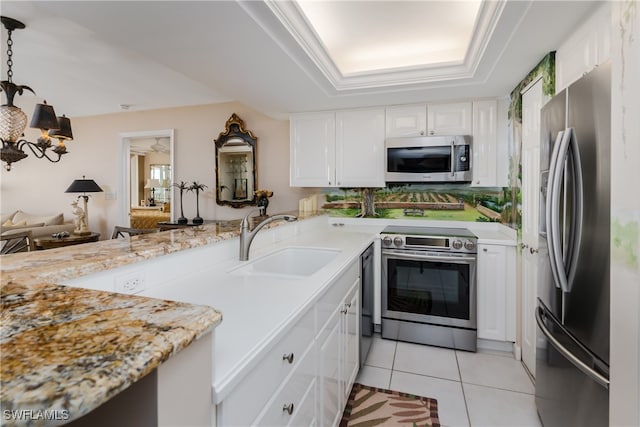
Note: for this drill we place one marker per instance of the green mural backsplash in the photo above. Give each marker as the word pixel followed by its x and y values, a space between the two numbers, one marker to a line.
pixel 450 202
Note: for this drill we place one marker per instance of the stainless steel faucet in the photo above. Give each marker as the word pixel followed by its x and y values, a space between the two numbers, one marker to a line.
pixel 247 235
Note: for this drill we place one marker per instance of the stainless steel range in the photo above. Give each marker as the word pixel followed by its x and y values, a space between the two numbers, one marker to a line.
pixel 429 286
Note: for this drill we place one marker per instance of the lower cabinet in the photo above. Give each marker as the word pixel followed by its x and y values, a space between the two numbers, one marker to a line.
pixel 496 294
pixel 306 378
pixel 338 343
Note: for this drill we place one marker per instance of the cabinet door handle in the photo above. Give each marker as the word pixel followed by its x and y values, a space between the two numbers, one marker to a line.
pixel 485 249
pixel 344 311
pixel 288 357
pixel 523 245
pixel 533 251
pixel 432 132
pixel 288 408
pixel 422 133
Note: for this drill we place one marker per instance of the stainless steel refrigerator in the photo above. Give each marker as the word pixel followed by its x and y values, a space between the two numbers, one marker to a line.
pixel 572 351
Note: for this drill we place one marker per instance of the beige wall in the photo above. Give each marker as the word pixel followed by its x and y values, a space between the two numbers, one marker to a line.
pixel 37 186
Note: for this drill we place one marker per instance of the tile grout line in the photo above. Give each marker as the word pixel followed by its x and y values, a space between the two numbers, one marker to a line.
pixel 393 362
pixel 464 396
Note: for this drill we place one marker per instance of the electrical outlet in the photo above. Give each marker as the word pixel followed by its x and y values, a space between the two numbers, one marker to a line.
pixel 132 283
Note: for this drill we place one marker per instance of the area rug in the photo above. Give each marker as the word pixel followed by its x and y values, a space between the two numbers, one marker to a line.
pixel 370 406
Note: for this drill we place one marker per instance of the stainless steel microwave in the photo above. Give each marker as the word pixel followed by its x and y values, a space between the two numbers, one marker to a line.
pixel 428 159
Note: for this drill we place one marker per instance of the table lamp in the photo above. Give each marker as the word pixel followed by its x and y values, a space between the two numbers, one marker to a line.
pixel 152 184
pixel 83 186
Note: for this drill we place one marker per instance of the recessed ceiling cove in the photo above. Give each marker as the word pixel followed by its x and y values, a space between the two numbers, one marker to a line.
pixel 369 44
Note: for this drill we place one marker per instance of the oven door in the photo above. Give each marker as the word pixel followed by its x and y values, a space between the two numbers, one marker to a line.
pixel 429 287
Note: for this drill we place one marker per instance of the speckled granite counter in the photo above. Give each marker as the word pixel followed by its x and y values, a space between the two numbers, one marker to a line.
pixel 73 349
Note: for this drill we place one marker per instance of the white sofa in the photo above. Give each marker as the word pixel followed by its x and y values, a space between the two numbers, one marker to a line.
pixel 39 225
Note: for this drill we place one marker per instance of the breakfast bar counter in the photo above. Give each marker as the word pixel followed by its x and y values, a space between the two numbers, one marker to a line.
pixel 64 351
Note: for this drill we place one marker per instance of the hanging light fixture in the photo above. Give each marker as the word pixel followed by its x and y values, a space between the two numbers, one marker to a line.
pixel 13 120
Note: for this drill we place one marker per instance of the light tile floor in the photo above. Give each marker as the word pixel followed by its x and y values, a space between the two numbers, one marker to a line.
pixel 483 389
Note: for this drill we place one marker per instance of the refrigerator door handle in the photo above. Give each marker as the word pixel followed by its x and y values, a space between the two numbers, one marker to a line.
pixel 554 238
pixel 550 207
pixel 577 209
pixel 597 377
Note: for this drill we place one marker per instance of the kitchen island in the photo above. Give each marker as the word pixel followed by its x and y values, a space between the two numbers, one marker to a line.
pixel 262 312
pixel 64 351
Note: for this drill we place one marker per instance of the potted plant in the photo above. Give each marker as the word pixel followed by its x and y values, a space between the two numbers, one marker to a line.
pixel 197 187
pixel 182 186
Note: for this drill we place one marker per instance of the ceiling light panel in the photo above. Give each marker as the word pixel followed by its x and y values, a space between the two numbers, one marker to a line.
pixel 365 36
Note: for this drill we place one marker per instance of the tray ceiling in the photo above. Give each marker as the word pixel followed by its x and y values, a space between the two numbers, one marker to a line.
pixel 92 57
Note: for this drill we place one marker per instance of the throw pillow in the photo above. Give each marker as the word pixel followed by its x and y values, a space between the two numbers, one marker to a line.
pixel 33 219
pixel 9 223
pixel 5 217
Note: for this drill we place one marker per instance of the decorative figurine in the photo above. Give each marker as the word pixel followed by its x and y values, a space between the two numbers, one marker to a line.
pixel 81 226
pixel 263 200
pixel 182 186
pixel 197 187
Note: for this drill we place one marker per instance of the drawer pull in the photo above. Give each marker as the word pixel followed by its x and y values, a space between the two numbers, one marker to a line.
pixel 288 357
pixel 288 408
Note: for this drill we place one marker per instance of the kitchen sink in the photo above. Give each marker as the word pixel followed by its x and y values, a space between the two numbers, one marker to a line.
pixel 294 262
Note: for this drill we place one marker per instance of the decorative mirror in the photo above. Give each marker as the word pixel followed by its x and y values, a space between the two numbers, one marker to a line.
pixel 236 165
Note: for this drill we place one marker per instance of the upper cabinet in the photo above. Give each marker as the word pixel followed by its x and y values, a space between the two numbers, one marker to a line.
pixel 428 119
pixel 406 120
pixel 360 148
pixel 346 148
pixel 484 149
pixel 312 157
pixel 588 46
pixel 338 149
pixel 449 119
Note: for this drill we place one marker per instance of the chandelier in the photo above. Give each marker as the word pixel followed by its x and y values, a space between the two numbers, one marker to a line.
pixel 13 120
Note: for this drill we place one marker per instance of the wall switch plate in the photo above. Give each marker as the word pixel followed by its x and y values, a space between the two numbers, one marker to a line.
pixel 131 283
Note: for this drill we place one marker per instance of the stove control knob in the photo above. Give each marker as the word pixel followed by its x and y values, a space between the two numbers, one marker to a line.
pixel 456 244
pixel 397 241
pixel 469 245
pixel 386 240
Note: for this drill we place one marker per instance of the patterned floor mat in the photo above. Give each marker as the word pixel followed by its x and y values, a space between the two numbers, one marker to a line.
pixel 370 406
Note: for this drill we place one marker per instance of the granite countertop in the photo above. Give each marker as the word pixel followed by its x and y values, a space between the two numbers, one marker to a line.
pixel 64 348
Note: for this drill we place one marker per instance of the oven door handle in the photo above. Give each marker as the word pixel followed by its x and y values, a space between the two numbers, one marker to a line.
pixel 424 257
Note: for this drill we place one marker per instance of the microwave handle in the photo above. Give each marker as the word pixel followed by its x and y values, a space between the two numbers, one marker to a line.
pixel 453 158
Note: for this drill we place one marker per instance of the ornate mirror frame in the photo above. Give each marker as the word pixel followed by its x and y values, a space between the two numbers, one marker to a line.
pixel 236 167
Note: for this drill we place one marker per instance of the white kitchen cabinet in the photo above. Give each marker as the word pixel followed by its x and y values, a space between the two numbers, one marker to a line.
pixel 588 46
pixel 351 340
pixel 305 378
pixel 360 148
pixel 312 149
pixel 291 403
pixel 449 119
pixel 286 363
pixel 329 370
pixel 431 119
pixel 485 150
pixel 337 149
pixel 496 293
pixel 406 120
pixel 338 345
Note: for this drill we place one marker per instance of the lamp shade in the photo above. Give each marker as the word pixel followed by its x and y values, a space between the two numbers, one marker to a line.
pixel 64 129
pixel 152 183
pixel 44 117
pixel 84 186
